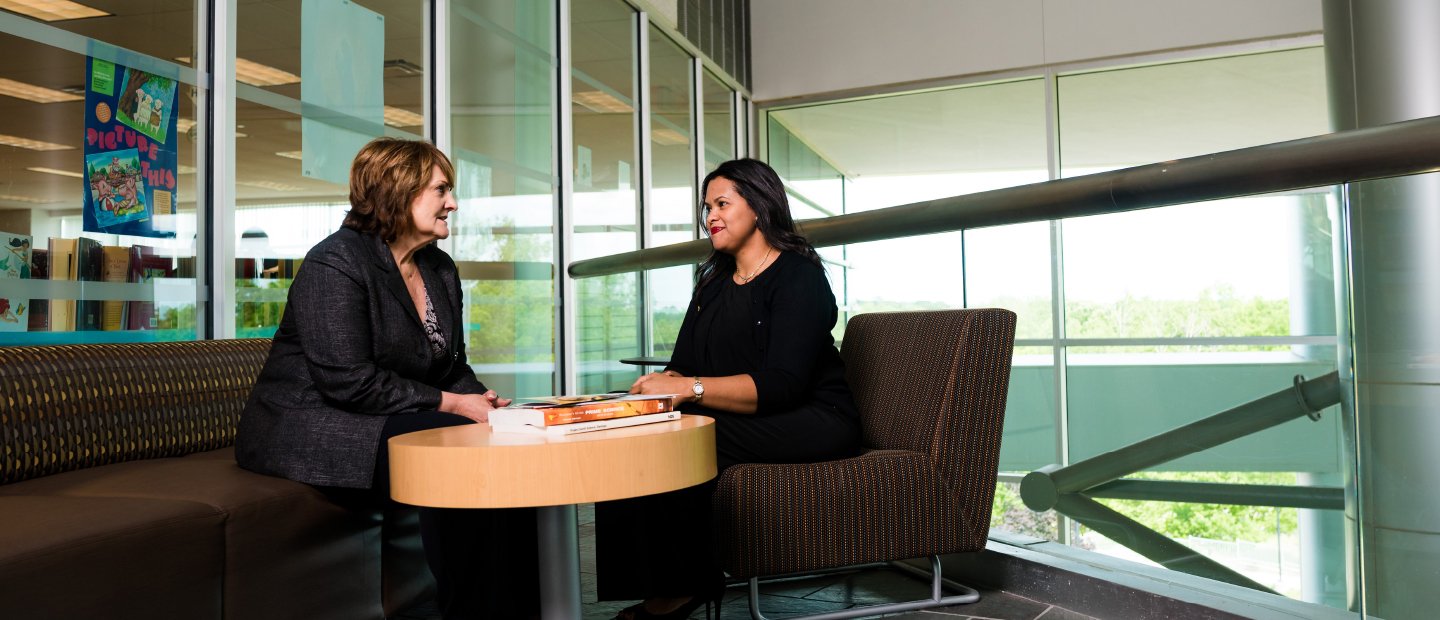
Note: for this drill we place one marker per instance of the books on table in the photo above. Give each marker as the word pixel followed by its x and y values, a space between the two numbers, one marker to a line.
pixel 565 415
pixel 586 427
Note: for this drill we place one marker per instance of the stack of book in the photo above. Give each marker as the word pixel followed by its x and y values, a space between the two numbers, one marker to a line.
pixel 87 260
pixel 567 415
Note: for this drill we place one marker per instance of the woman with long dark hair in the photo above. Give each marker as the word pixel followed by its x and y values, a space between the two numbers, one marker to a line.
pixel 755 353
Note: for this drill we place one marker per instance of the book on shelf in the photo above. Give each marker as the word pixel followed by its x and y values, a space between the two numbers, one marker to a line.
pixel 145 266
pixel 39 308
pixel 559 410
pixel 14 255
pixel 267 268
pixel 62 267
pixel 87 268
pixel 114 267
pixel 245 268
pixel 284 268
pixel 14 264
pixel 584 427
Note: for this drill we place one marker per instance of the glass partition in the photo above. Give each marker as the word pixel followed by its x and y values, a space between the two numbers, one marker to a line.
pixel 97 209
pixel 718 103
pixel 922 146
pixel 815 189
pixel 503 242
pixel 605 215
pixel 294 140
pixel 1176 314
pixel 673 201
pixel 1129 324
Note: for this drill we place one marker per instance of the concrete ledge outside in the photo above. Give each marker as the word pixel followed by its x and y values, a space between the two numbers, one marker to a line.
pixel 1106 587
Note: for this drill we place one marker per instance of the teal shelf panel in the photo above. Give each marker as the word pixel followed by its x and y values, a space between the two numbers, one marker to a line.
pixel 12 339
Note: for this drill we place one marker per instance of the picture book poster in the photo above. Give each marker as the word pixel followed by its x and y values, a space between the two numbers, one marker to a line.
pixel 117 189
pixel 130 151
pixel 146 103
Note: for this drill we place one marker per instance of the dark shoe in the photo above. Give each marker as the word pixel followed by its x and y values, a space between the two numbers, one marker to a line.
pixel 638 611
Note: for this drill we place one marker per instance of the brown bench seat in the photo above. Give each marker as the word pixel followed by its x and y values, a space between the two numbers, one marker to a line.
pixel 120 497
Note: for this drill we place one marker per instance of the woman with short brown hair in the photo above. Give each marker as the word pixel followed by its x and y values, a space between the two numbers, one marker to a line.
pixel 370 347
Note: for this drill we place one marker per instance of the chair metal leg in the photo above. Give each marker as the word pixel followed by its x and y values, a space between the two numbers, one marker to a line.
pixel 937 598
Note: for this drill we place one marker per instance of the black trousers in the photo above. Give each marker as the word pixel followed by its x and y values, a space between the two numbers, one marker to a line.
pixel 662 546
pixel 486 562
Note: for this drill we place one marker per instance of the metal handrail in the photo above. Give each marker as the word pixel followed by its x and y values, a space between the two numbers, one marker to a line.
pixel 1396 149
pixel 1274 495
pixel 1158 547
pixel 1041 488
pixel 1069 489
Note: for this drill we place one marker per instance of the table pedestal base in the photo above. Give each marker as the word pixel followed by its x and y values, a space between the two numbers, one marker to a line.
pixel 559 562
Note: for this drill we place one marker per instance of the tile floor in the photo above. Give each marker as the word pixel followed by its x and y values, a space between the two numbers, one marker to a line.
pixel 810 595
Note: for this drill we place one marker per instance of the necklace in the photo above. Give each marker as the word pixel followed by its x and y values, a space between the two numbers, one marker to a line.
pixel 747 279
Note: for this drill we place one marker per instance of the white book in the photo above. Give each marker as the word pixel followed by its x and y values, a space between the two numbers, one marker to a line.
pixel 585 427
pixel 553 410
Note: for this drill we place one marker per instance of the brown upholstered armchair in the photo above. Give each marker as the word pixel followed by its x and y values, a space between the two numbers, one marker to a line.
pixel 931 389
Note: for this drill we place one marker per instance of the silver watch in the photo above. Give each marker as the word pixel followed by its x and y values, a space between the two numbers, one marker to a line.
pixel 698 389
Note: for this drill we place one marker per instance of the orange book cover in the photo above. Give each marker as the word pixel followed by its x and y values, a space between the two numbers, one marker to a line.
pixel 592 425
pixel 554 410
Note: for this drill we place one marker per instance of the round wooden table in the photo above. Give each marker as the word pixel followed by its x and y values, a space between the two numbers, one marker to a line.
pixel 470 467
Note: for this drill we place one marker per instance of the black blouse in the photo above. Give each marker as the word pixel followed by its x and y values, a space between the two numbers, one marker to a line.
pixel 721 343
pixel 776 329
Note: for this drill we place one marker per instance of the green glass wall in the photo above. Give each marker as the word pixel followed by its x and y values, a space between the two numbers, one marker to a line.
pixel 502 119
pixel 1130 324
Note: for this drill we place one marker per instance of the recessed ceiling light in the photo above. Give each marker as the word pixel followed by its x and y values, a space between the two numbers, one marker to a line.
pixel 29 199
pixel 397 117
pixel 666 136
pixel 291 154
pixel 602 102
pixel 34 145
pixel 31 92
pixel 51 10
pixel 275 185
pixel 256 74
pixel 63 173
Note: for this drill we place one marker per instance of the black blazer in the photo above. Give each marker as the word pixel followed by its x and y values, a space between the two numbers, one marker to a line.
pixel 791 316
pixel 350 350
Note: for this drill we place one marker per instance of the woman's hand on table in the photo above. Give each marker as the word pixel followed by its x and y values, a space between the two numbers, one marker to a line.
pixel 668 382
pixel 496 401
pixel 476 407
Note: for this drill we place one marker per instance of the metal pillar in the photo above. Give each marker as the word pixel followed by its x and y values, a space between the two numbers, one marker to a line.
pixel 1312 311
pixel 1322 547
pixel 1384 66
